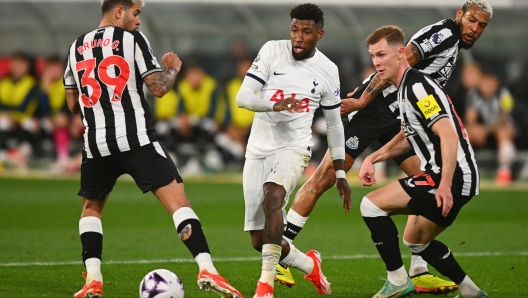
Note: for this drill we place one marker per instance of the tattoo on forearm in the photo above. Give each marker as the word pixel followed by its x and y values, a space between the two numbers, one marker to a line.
pixel 416 52
pixel 372 90
pixel 161 81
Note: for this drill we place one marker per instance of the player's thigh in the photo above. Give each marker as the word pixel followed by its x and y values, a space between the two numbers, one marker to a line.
pixel 98 176
pixel 253 178
pixel 286 168
pixel 150 166
pixel 391 198
pixel 420 230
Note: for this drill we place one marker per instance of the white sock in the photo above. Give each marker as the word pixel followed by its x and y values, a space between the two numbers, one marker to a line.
pixel 506 154
pixel 418 265
pixel 93 270
pixel 468 288
pixel 295 219
pixel 270 258
pixel 397 277
pixel 204 262
pixel 298 260
pixel 182 214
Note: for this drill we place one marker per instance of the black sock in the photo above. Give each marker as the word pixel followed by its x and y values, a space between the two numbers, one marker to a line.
pixel 440 257
pixel 385 236
pixel 292 231
pixel 92 245
pixel 196 242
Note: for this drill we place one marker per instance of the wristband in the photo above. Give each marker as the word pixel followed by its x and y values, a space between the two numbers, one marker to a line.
pixel 340 174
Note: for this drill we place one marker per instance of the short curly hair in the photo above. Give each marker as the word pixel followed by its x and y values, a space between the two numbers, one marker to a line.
pixel 308 11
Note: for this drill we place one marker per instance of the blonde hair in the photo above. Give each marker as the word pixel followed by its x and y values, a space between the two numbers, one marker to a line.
pixel 482 4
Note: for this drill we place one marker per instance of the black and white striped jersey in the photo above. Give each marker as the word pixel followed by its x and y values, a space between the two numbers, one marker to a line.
pixel 107 66
pixel 439 47
pixel 422 103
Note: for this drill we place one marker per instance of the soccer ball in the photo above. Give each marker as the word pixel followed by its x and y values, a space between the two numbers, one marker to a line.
pixel 161 283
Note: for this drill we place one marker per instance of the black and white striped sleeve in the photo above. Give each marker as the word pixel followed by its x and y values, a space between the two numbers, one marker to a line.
pixel 144 56
pixel 69 79
pixel 435 39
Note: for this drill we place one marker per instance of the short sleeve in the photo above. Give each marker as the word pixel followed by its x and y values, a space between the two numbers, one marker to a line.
pixel 144 56
pixel 331 98
pixel 69 79
pixel 435 39
pixel 260 68
pixel 429 103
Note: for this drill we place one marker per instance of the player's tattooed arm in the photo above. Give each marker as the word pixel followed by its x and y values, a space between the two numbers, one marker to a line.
pixel 413 54
pixel 72 99
pixel 159 83
pixel 373 89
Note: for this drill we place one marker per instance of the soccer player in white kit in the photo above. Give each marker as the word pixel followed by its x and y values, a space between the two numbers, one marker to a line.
pixel 292 79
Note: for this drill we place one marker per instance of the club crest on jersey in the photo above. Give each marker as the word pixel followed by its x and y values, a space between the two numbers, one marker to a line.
pixel 437 38
pixel 429 106
pixel 337 92
pixel 315 86
pixel 352 143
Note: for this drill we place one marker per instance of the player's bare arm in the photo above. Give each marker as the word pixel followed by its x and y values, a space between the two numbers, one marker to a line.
pixel 72 99
pixel 413 54
pixel 159 83
pixel 448 146
pixel 289 104
pixel 375 87
pixel 395 147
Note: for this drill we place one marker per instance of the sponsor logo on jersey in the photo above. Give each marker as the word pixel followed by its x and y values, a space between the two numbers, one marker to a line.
pixel 409 182
pixel 257 59
pixel 337 92
pixel 426 46
pixel 437 38
pixel 352 143
pixel 315 86
pixel 254 67
pixel 394 106
pixel 429 106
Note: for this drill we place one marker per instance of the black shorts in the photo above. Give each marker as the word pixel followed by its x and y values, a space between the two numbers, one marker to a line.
pixel 359 134
pixel 422 188
pixel 150 166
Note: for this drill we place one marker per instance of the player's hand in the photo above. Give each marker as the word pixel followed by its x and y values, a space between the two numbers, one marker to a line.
pixel 171 60
pixel 352 93
pixel 366 173
pixel 289 104
pixel 444 198
pixel 344 193
pixel 348 105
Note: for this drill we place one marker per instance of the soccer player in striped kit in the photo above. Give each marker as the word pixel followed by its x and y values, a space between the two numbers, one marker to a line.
pixel 104 78
pixel 449 178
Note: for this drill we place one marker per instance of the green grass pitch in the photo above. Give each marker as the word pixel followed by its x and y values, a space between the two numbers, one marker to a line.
pixel 40 251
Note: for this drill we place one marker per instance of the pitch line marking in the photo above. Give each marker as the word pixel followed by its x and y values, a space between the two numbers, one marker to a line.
pixel 189 260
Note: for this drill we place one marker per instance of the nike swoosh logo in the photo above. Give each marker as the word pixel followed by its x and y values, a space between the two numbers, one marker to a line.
pixel 278 74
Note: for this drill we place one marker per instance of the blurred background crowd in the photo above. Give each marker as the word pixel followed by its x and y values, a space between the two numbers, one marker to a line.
pixel 199 121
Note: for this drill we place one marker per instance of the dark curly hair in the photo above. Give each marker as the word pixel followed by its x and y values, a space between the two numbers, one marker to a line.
pixel 308 11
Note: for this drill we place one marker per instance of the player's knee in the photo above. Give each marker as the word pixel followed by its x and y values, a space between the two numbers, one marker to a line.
pixel 369 209
pixel 416 248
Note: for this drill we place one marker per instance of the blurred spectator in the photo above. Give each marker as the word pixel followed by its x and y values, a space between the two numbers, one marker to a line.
pixel 20 108
pixel 64 125
pixel 237 121
pixel 488 113
pixel 188 120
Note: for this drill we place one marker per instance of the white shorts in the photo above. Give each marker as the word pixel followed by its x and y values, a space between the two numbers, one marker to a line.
pixel 284 168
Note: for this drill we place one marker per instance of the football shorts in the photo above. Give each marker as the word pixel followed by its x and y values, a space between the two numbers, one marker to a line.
pixel 284 168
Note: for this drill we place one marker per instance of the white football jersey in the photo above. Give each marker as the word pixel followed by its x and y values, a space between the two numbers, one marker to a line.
pixel 315 81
